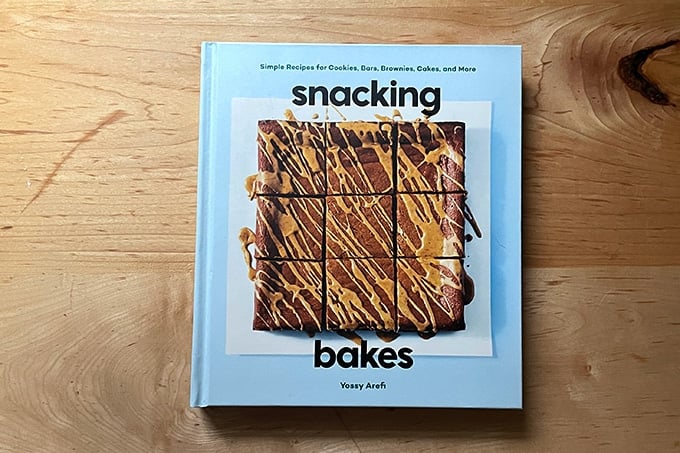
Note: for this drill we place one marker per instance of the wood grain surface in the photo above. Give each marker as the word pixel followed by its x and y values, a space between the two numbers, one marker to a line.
pixel 98 147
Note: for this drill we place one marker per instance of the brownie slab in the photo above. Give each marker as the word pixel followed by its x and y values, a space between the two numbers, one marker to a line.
pixel 290 158
pixel 430 294
pixel 288 295
pixel 359 226
pixel 289 228
pixel 430 157
pixel 360 294
pixel 332 224
pixel 430 225
pixel 359 157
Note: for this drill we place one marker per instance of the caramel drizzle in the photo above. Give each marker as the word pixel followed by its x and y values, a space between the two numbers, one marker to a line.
pixel 287 223
pixel 425 294
pixel 351 214
pixel 339 113
pixel 361 182
pixel 395 114
pixel 247 238
pixel 437 231
pixel 250 185
pixel 301 157
pixel 412 177
pixel 360 306
pixel 276 303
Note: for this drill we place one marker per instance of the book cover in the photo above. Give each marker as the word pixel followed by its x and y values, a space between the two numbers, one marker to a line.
pixel 358 226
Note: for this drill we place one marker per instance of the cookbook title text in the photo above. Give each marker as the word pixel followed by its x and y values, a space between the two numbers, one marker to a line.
pixel 373 94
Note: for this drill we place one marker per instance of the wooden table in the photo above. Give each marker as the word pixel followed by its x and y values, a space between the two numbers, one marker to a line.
pixel 98 146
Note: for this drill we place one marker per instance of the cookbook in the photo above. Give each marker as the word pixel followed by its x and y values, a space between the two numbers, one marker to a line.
pixel 358 226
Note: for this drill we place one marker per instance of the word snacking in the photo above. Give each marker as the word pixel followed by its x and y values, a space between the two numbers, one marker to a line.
pixel 373 95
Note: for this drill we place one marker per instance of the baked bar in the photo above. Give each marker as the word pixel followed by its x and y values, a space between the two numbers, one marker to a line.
pixel 288 295
pixel 360 294
pixel 430 225
pixel 289 228
pixel 430 157
pixel 290 158
pixel 430 294
pixel 359 226
pixel 359 157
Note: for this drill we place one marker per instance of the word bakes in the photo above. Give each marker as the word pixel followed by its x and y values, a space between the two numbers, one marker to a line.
pixel 375 96
pixel 361 357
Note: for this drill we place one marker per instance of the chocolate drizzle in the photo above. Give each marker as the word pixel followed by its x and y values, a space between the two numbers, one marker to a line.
pixel 468 288
pixel 387 337
pixel 354 337
pixel 467 212
pixel 427 335
pixel 351 335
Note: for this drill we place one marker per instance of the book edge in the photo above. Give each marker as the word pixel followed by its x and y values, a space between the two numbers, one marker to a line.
pixel 200 345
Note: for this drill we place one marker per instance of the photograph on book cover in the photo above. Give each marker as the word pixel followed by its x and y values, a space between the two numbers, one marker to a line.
pixel 359 236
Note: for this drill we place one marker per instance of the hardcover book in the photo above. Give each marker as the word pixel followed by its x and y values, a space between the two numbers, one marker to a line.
pixel 358 226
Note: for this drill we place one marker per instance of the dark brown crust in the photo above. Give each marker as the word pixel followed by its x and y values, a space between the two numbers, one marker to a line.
pixel 288 296
pixel 430 295
pixel 289 228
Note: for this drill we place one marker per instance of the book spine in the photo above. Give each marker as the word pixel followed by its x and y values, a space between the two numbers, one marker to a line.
pixel 200 355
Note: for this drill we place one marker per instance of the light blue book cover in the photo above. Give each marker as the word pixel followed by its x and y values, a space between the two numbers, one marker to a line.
pixel 358 226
